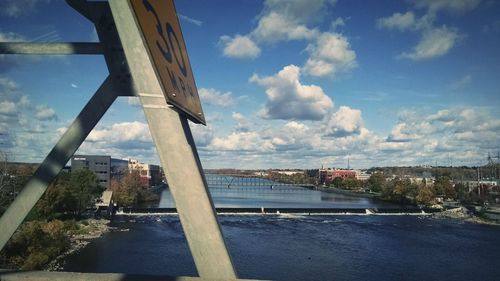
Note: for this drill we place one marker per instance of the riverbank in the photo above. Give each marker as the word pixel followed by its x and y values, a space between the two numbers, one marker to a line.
pixel 80 237
pixel 462 214
pixel 350 192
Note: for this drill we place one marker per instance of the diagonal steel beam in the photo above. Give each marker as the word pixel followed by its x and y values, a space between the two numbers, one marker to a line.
pixel 178 155
pixel 56 159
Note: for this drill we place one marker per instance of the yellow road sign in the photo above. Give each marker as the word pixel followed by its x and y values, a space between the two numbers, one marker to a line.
pixel 162 35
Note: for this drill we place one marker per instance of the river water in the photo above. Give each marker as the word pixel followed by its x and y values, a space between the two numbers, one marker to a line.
pixel 293 247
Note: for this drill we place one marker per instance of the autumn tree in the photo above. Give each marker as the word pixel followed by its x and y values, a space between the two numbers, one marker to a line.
pixel 127 191
pixel 443 186
pixel 13 178
pixel 425 195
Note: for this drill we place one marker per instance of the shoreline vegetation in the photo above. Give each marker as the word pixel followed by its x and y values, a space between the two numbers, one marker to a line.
pixel 62 221
pixel 458 213
pixel 88 230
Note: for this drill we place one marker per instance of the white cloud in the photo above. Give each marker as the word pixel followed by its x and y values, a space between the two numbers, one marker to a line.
pixel 287 20
pixel 213 97
pixel 17 8
pixel 434 43
pixel 398 21
pixel 239 141
pixel 346 121
pixel 24 136
pixel 287 98
pixel 453 6
pixel 43 112
pixel 241 47
pixel 402 132
pixel 121 133
pixel 242 123
pixel 276 27
pixel 330 54
pixel 24 102
pixel 337 23
pixel 465 131
pixel 280 20
pixel 419 137
pixel 7 108
pixel 202 135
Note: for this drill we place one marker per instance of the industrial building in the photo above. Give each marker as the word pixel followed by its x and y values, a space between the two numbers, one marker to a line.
pixel 107 168
pixel 150 174
pixel 99 164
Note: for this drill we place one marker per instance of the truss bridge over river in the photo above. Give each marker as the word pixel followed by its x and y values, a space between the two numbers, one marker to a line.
pixel 253 182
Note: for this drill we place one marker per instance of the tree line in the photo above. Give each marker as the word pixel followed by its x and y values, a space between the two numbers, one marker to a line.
pixel 60 213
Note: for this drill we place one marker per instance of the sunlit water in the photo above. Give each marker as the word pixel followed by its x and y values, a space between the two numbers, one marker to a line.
pixel 292 247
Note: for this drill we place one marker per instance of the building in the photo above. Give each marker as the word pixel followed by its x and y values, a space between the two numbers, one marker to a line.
pixel 151 175
pixel 362 176
pixel 289 172
pixel 326 176
pixel 118 168
pixel 107 168
pixel 99 164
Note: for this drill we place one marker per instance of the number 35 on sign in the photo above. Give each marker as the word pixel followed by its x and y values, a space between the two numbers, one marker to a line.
pixel 162 34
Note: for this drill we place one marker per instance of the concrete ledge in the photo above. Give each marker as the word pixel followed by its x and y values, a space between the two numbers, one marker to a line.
pixel 12 275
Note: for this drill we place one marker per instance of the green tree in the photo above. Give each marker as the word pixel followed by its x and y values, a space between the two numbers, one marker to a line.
pixel 443 186
pixel 338 182
pixel 35 243
pixel 376 182
pixel 84 187
pixel 58 199
pixel 352 183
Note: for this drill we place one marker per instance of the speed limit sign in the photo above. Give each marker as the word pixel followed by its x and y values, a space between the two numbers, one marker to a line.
pixel 162 35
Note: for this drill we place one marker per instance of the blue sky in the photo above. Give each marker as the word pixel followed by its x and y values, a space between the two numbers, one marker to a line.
pixel 284 84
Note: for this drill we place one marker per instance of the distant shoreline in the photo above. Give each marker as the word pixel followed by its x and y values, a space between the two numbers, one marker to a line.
pixel 349 192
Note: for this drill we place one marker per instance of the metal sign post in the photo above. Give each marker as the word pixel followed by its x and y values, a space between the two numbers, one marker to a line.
pixel 146 57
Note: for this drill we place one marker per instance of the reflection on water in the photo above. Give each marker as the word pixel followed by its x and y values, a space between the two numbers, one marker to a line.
pixel 270 195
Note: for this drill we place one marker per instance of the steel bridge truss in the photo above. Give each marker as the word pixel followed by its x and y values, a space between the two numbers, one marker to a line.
pixel 131 73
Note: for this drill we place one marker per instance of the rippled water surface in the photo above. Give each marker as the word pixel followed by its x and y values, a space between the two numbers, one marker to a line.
pixel 289 247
